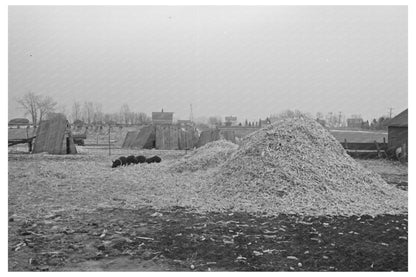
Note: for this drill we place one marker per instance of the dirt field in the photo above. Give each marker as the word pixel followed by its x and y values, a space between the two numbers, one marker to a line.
pixel 76 213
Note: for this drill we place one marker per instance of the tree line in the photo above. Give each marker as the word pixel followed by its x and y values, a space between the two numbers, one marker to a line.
pixel 38 106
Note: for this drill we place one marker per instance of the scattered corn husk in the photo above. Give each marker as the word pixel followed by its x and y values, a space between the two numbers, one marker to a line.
pixel 210 155
pixel 296 166
pixel 293 166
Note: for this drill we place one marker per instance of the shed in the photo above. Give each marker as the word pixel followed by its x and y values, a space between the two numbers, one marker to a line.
pixel 54 136
pixel 167 137
pixel 355 122
pixel 146 138
pixel 130 139
pixel 397 130
pixel 19 121
pixel 188 137
pixel 143 139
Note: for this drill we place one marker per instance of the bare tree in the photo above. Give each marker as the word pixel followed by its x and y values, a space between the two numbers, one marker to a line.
pixel 62 109
pixel 215 120
pixel 76 110
pixel 46 105
pixel 143 118
pixel 29 103
pixel 125 113
pixel 98 114
pixel 88 111
pixel 285 114
pixel 332 120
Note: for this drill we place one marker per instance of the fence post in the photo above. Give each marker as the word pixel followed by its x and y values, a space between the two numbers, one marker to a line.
pixel 109 145
pixel 378 149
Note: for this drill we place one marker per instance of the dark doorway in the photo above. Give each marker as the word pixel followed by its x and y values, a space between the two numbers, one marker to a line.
pixel 68 149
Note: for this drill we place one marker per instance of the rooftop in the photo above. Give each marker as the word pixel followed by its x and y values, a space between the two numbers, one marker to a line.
pixel 399 120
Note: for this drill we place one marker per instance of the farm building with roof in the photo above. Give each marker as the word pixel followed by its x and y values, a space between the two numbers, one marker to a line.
pixel 397 130
pixel 354 122
pixel 162 117
pixel 18 122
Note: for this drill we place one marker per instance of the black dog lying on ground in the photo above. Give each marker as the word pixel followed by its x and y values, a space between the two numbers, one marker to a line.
pixel 123 161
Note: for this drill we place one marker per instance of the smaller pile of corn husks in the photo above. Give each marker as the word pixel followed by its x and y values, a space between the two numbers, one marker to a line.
pixel 296 166
pixel 210 155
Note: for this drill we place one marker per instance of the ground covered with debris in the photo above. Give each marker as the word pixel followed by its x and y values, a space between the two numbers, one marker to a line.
pixel 289 198
pixel 210 155
pixel 296 166
pixel 181 240
pixel 393 172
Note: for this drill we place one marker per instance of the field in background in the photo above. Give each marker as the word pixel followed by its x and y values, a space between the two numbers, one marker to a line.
pixel 117 135
pixel 359 136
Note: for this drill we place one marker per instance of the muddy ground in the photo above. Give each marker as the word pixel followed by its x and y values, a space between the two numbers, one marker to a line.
pixel 180 240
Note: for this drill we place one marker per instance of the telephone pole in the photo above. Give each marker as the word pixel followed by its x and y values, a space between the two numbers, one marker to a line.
pixel 339 119
pixel 391 109
pixel 191 116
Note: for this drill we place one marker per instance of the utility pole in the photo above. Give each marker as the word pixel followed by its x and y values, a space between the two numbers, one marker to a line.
pixel 109 145
pixel 339 119
pixel 391 109
pixel 191 116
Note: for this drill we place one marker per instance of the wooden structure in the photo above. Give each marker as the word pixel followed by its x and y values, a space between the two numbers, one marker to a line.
pixel 167 137
pixel 18 122
pixel 143 139
pixel 21 135
pixel 175 137
pixel 146 138
pixel 230 121
pixel 163 136
pixel 355 122
pixel 78 123
pixel 130 139
pixel 208 136
pixel 188 138
pixel 366 149
pixel 79 138
pixel 162 117
pixel 54 136
pixel 398 130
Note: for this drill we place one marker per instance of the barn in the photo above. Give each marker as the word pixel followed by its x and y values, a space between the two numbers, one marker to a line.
pixel 162 117
pixel 397 131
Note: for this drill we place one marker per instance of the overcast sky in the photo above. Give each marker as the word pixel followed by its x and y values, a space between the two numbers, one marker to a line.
pixel 247 61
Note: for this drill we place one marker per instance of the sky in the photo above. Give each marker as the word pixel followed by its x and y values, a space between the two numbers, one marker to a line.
pixel 245 61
